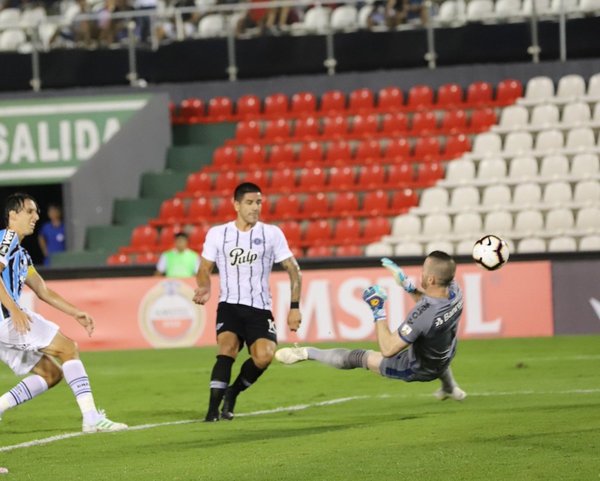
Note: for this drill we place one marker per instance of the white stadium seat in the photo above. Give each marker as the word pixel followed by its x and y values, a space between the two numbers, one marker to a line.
pixel 505 9
pixel 589 6
pixel 32 17
pixel 363 16
pixel 526 195
pixel 596 114
pixel 539 89
pixel 465 197
pixel 488 143
pixel 523 168
pixel 587 192
pixel 212 25
pixel 434 198
pixel 379 249
pixel 541 7
pixel 562 244
pixel 439 245
pixel 589 243
pixel 585 165
pixel 557 193
pixel 467 224
pixel 461 170
pixel 492 169
pixel 316 19
pixel 498 222
pixel 544 115
pixel 593 90
pixel 496 196
pixel 559 221
pixel 344 17
pixel 406 225
pixel 464 248
pixel 570 87
pixel 576 113
pixel 528 222
pixel 478 10
pixel 408 249
pixel 569 6
pixel 514 117
pixel 517 143
pixel 554 166
pixel 436 225
pixel 12 39
pixel 588 219
pixel 10 17
pixel 531 245
pixel 580 139
pixel 549 141
pixel 449 12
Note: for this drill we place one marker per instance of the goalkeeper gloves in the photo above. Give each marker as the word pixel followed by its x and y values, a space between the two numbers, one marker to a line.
pixel 375 297
pixel 399 275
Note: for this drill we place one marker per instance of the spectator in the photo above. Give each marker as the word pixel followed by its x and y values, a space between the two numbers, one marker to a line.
pixel 112 29
pixel 179 261
pixel 52 234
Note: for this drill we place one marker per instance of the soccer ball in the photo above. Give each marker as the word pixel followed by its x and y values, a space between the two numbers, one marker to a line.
pixel 490 252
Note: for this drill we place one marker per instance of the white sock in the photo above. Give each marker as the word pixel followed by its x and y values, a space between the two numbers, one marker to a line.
pixel 79 382
pixel 26 390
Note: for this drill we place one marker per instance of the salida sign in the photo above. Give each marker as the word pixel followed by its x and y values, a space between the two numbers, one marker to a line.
pixel 47 141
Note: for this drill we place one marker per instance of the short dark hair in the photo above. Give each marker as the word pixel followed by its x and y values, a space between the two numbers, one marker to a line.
pixel 245 188
pixel 16 202
pixel 181 234
pixel 444 267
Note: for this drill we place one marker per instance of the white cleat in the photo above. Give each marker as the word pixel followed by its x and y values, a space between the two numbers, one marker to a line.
pixel 291 355
pixel 457 394
pixel 103 425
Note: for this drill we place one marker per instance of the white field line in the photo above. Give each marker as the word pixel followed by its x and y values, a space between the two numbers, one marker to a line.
pixel 297 407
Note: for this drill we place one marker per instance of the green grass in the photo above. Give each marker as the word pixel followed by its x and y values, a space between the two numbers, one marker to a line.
pixel 532 414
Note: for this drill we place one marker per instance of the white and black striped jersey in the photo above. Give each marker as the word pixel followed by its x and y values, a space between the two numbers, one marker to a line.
pixel 245 260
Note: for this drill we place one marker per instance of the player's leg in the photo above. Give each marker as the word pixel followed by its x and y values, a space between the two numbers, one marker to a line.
pixel 450 388
pixel 228 345
pixel 339 358
pixel 76 376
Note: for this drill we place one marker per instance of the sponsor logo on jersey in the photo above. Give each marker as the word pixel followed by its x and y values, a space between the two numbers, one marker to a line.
pixel 9 235
pixel 168 317
pixel 239 256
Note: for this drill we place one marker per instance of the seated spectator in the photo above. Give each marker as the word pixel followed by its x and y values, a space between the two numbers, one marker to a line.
pixel 179 261
pixel 166 29
pixel 52 234
pixel 113 30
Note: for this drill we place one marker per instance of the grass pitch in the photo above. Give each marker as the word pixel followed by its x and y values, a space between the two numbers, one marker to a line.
pixel 532 414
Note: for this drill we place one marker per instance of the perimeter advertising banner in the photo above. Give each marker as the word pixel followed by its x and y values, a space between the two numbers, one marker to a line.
pixel 44 141
pixel 154 312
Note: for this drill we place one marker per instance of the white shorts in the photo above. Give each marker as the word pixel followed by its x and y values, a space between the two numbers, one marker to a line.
pixel 21 352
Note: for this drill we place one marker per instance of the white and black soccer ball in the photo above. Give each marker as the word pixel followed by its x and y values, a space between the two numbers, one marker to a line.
pixel 491 252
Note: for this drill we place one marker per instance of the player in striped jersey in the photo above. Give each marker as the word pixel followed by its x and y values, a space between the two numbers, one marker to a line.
pixel 30 344
pixel 244 251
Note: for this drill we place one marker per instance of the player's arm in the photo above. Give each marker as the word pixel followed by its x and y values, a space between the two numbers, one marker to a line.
pixel 202 294
pixel 390 343
pixel 401 279
pixel 293 269
pixel 53 298
pixel 20 319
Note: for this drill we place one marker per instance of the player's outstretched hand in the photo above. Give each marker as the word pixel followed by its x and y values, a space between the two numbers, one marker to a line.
pixel 375 297
pixel 86 321
pixel 399 275
pixel 201 295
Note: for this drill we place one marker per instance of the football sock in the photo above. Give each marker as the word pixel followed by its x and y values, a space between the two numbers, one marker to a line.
pixel 447 379
pixel 219 380
pixel 79 382
pixel 249 373
pixel 339 358
pixel 26 390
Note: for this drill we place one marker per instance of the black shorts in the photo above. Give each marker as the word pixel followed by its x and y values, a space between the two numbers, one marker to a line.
pixel 249 323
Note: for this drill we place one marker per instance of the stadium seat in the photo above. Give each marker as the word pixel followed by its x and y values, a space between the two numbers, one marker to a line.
pixel 379 249
pixel 390 99
pixel 338 153
pixel 498 222
pixel 286 207
pixel 143 238
pixel 226 182
pixel 478 10
pixel 316 19
pixel 220 109
pixel 344 204
pixel 587 192
pixel 306 128
pixel 311 179
pixel 514 117
pixel 368 152
pixel 259 177
pixel 464 248
pixel 408 249
pixel 587 220
pixel 593 90
pixel 589 243
pixel 284 179
pixel 449 96
pixel 315 206
pixel 531 245
pixel 118 260
pixel 527 194
pixel 248 106
pixel 542 7
pixel 147 258
pixel 420 97
pixel 292 232
pixel 364 125
pixel 349 250
pixel 346 231
pixel 456 145
pixel 558 221
pixel 172 211
pixel 281 155
pixel 370 176
pixel 247 131
pixel 454 121
pixel 397 150
pixel 341 178
pixel 394 124
pixel 480 94
pixel 407 226
pixel 554 167
pixel 508 91
pixel 192 110
pixel 311 153
pixel 166 237
pixel 303 103
pixel 575 114
pixel 224 208
pixel 570 87
pixel 344 17
pixel 200 209
pixel 439 245
pixel 361 100
pixel 581 138
pixel 276 105
pixel 557 193
pixel 434 199
pixel 211 25
pixel 544 115
pixel 423 123
pixel 198 183
pixel 401 175
pixel 276 130
pixel 549 141
pixel 460 171
pixel 449 12
pixel 482 119
pixel 436 225
pixel 402 200
pixel 539 89
pixel 496 196
pixel 319 251
pixel 585 165
pixel 375 228
pixel 197 235
pixel 491 169
pixel 562 244
pixel 427 149
pixel 253 157
pixel 528 222
pixel 518 143
pixel 375 203
pixel 332 102
pixel 317 232
pixel 225 157
pixel 465 198
pixel 335 127
pixel 429 174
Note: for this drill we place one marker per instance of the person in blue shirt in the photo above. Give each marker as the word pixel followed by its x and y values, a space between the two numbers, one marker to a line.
pixel 52 234
pixel 30 344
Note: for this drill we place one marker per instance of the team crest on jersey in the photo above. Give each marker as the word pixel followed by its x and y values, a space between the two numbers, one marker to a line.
pixel 257 242
pixel 239 256
pixel 9 235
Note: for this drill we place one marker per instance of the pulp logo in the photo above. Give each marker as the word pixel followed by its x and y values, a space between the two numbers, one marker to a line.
pixel 168 317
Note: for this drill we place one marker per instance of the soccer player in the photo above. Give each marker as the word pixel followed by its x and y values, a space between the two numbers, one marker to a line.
pixel 28 342
pixel 244 251
pixel 424 344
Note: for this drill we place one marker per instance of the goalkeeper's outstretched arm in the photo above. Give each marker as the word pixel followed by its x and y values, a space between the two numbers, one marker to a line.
pixel 401 279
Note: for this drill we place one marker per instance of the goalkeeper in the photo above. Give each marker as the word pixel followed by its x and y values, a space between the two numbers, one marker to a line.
pixel 424 344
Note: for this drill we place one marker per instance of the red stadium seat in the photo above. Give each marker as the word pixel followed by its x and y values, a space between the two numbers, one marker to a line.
pixel 420 97
pixel 118 260
pixel 248 106
pixel 349 250
pixel 480 94
pixel 508 92
pixel 397 150
pixel 319 251
pixel 258 177
pixel 399 175
pixel 220 109
pixel 281 155
pixel 198 183
pixel 199 210
pixel 364 125
pixel 196 236
pixel 306 128
pixel 449 96
pixel 315 206
pixel 311 179
pixel 166 237
pixel 224 208
pixel 172 211
pixel 371 176
pixel 292 231
pixel 394 124
pixel 368 152
pixel 334 127
pixel 332 102
pixel 454 121
pixel 284 180
pixel 276 105
pixel 456 145
pixel 375 203
pixel 429 174
pixel 147 258
pixel 286 207
pixel 338 153
pixel 143 238
pixel 427 149
pixel 423 123
pixel 375 228
pixel 253 157
pixel 276 130
pixel 191 110
pixel 297 252
pixel 344 204
pixel 341 178
pixel 247 131
pixel 361 100
pixel 390 99
pixel 402 200
pixel 225 157
pixel 346 231
pixel 303 103
pixel 482 119
pixel 317 232
pixel 226 182
pixel 311 153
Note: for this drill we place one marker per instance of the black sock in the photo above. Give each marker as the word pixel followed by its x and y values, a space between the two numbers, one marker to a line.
pixel 219 380
pixel 249 373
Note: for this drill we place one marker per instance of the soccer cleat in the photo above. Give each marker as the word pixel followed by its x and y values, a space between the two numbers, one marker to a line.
pixel 228 404
pixel 291 355
pixel 457 394
pixel 103 425
pixel 375 297
pixel 211 417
